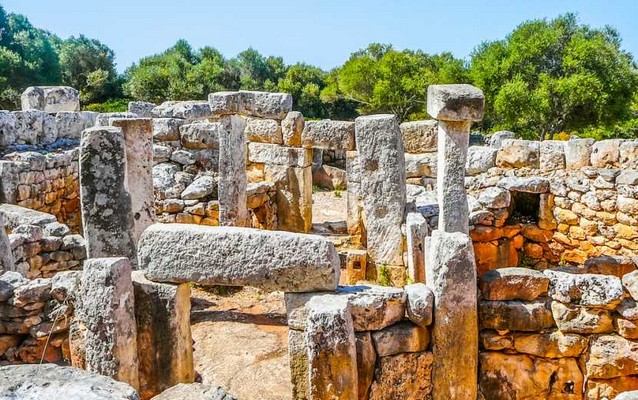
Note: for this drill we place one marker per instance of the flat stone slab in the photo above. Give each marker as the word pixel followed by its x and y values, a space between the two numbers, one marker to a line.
pixel 455 102
pixel 16 216
pixel 49 381
pixel 231 256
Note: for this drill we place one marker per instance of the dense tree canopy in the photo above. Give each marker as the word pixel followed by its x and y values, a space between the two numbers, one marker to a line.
pixel 553 76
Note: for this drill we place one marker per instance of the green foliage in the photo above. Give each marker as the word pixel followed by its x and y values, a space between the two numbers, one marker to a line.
pixel 380 79
pixel 337 193
pixel 113 105
pixel 553 76
pixel 383 275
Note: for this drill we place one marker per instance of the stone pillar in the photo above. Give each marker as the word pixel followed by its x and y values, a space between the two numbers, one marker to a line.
pixel 382 171
pixel 138 137
pixel 233 210
pixel 164 342
pixel 450 266
pixel 105 200
pixel 9 174
pixel 416 230
pixel 6 256
pixel 108 312
pixel 354 219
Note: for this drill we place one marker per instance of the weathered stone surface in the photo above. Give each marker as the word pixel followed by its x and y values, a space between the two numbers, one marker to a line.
pixel 164 343
pixel 578 319
pixel 194 391
pixel 328 134
pixel 513 284
pixel 167 181
pixel 403 376
pixel 201 187
pixel 610 265
pixel 275 154
pixel 585 289
pixel 630 282
pixel 103 119
pixel 605 153
pixel 70 124
pixel 200 135
pixel 577 153
pixel 167 129
pixel 495 197
pixel 366 361
pixel 404 337
pixel 139 166
pixel 420 165
pixel 628 309
pixel 554 344
pixel 615 388
pixel 515 315
pixel 6 258
pixel 293 195
pixel 519 376
pixel 224 103
pixel 480 159
pixel 629 154
pixel 49 381
pixel 331 346
pixel 517 153
pixel 292 127
pixel 108 312
pixel 8 128
pixel 298 364
pixel 375 307
pixel 143 109
pixel 417 229
pixel 263 130
pixel 106 202
pixel 188 110
pixel 233 210
pixel 420 303
pixel 451 275
pixel 496 138
pixel 626 328
pixel 264 104
pixel 420 136
pixel 552 155
pixel 455 102
pixel 528 185
pixel 238 256
pixel 382 171
pixel 51 99
pixel 611 356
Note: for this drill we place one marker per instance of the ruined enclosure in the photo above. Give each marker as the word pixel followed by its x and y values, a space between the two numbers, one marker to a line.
pixel 383 260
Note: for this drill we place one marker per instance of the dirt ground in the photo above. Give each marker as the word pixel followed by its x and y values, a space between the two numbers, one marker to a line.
pixel 241 336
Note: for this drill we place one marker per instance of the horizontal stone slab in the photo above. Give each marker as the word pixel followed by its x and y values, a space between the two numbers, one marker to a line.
pixel 328 134
pixel 267 153
pixel 231 256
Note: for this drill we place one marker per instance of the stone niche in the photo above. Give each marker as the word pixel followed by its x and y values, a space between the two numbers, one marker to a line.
pixel 524 208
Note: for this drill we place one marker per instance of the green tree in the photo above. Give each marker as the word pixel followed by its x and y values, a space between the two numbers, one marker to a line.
pixel 380 79
pixel 549 76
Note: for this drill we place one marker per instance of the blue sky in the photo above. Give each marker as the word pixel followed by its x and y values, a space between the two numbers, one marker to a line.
pixel 322 33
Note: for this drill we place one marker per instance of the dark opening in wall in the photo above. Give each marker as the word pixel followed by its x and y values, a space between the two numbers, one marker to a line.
pixel 524 208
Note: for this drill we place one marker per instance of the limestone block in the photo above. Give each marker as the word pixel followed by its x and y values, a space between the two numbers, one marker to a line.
pixel 496 138
pixel 233 208
pixel 630 282
pixel 513 284
pixel 293 196
pixel 6 258
pixel 164 342
pixel 451 275
pixel 419 165
pixel 492 340
pixel 280 155
pixel 51 99
pixel 292 127
pixel 420 304
pixel 517 153
pixel 183 157
pixel 552 155
pixel 331 347
pixel 628 309
pixel 455 102
pixel 8 128
pixel 495 197
pixel 106 203
pixel 628 153
pixel 264 104
pixel 514 376
pixel 375 307
pixel 579 319
pixel 167 129
pixel 70 124
pixel 382 172
pixel 224 103
pixel 615 388
pixel 166 181
pixel 605 153
pixel 366 360
pixel 403 376
pixel 420 136
pixel 201 187
pixel 515 315
pixel 269 260
pixel 554 344
pixel 480 159
pixel 108 312
pixel 404 337
pixel 50 381
pixel 195 391
pixel 578 153
pixel 200 135
pixel 189 110
pixel 328 134
pixel 330 177
pixel 161 154
pixel 354 270
pixel 143 109
pixel 139 166
pixel 627 177
pixel 263 130
pixel 626 328
pixel 417 229
pixel 611 356
pixel 104 119
pixel 29 126
pixel 585 289
pixel 298 364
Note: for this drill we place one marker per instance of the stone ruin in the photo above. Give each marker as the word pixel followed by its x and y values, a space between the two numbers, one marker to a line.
pixel 498 271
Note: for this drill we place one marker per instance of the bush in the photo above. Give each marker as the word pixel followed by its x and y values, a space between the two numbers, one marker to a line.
pixel 115 105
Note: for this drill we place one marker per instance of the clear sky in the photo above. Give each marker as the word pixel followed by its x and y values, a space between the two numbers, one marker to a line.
pixel 322 33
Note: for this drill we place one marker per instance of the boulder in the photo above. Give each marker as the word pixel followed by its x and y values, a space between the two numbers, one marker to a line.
pixel 404 337
pixel 238 257
pixel 51 99
pixel 420 165
pixel 630 282
pixel 495 197
pixel 265 104
pixel 480 159
pixel 605 153
pixel 496 138
pixel 517 153
pixel 263 130
pixel 628 151
pixel 166 129
pixel 552 155
pixel 578 153
pixel 8 128
pixel 513 284
pixel 420 304
pixel 420 136
pixel 610 265
pixel 611 356
pixel 201 187
pixel 579 319
pixel 590 290
pixel 143 109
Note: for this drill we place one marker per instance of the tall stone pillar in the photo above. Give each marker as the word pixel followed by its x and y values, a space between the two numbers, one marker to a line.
pixel 105 200
pixel 450 266
pixel 108 312
pixel 138 136
pixel 6 256
pixel 233 210
pixel 382 175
